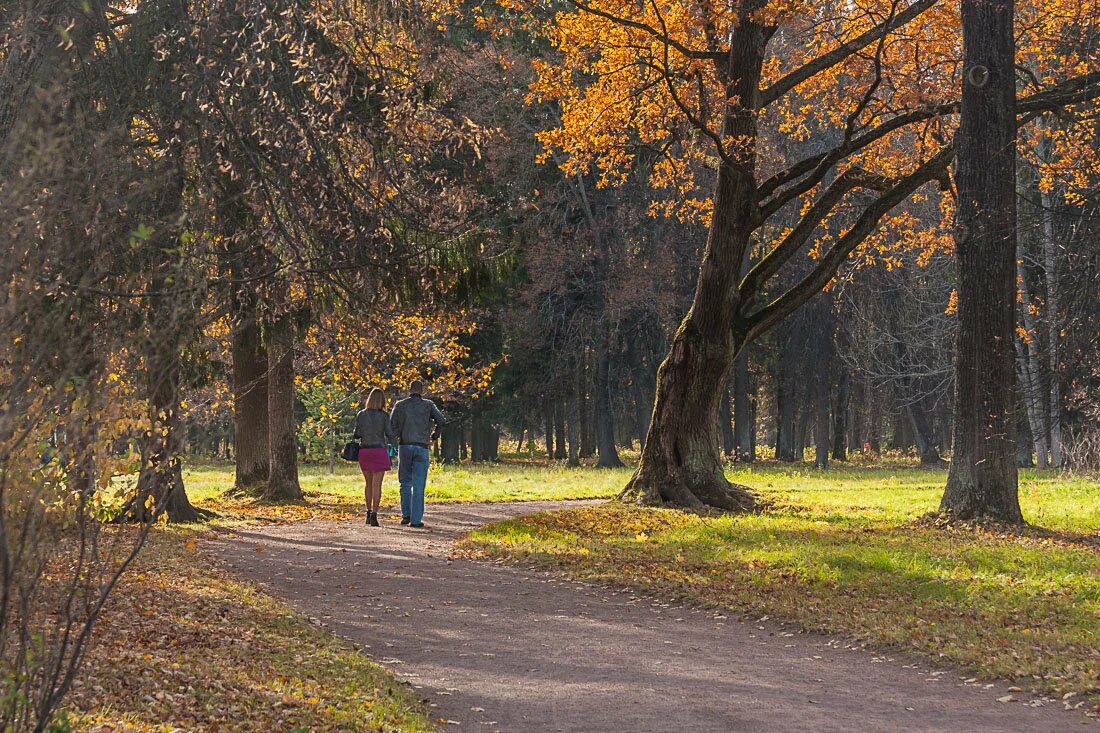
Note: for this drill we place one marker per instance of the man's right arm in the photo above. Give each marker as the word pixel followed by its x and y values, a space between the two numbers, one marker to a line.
pixel 397 417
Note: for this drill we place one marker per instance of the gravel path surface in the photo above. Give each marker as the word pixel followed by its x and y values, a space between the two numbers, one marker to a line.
pixel 501 648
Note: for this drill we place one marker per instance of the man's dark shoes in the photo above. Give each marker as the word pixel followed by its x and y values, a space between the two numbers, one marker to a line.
pixel 372 519
pixel 405 520
pixel 417 525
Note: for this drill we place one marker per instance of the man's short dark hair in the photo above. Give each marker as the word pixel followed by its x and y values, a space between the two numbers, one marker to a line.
pixel 416 387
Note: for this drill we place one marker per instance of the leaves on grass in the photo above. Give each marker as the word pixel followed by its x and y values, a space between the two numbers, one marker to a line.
pixel 184 647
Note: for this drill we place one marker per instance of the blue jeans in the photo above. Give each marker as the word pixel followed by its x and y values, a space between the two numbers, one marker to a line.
pixel 412 474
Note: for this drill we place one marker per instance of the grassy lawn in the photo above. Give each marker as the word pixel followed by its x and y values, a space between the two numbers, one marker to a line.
pixel 340 495
pixel 184 647
pixel 845 551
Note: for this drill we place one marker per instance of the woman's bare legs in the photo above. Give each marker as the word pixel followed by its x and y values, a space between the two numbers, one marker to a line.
pixel 368 482
pixel 374 492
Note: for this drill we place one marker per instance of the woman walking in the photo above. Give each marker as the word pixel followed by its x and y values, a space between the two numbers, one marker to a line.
pixel 372 428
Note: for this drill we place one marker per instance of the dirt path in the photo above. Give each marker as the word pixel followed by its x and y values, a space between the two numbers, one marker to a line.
pixel 498 648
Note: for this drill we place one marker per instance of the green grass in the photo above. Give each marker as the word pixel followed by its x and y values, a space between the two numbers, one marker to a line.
pixel 843 493
pixel 343 491
pixel 844 551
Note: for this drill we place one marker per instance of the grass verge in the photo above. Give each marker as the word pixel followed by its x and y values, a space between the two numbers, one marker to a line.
pixel 837 557
pixel 183 646
pixel 340 495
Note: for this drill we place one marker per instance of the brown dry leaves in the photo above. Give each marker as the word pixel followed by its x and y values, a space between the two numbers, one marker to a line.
pixel 183 646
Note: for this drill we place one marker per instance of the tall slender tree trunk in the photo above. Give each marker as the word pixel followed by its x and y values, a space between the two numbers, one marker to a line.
pixel 1030 367
pixel 744 411
pixel 785 412
pixel 584 408
pixel 560 451
pixel 1051 312
pixel 282 483
pixel 573 429
pixel 840 416
pixel 982 480
pixel 821 398
pixel 608 454
pixel 548 420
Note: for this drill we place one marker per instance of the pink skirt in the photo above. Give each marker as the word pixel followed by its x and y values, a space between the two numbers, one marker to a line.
pixel 374 459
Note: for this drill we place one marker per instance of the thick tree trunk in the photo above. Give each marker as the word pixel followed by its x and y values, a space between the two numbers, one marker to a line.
pixel 605 416
pixel 250 433
pixel 282 484
pixel 982 480
pixel 744 411
pixel 162 479
pixel 681 463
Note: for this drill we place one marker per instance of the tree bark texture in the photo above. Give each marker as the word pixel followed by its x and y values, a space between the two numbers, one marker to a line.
pixel 250 421
pixel 982 480
pixel 282 483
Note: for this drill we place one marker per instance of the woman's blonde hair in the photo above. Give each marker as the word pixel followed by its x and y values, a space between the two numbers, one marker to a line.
pixel 376 400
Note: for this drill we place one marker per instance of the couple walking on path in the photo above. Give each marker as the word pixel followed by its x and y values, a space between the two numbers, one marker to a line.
pixel 409 427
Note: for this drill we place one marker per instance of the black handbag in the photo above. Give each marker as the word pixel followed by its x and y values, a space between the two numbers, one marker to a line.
pixel 350 451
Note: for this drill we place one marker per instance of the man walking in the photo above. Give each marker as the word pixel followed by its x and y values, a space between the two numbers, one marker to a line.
pixel 411 421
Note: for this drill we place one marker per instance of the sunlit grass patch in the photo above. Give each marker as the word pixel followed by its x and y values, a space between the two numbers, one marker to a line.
pixel 340 495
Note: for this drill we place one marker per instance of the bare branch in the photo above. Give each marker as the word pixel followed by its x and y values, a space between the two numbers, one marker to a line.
pixel 826 267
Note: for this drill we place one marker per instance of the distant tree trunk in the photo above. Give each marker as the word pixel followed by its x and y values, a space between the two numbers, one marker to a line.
pixel 584 412
pixel 643 407
pixel 450 436
pixel 924 435
pixel 1024 441
pixel 982 480
pixel 840 416
pixel 560 451
pixel 463 449
pixel 725 424
pixel 605 417
pixel 744 411
pixel 802 426
pixel 282 483
pixel 1053 321
pixel 548 420
pixel 821 397
pixel 477 445
pixel 784 422
pixel 874 420
pixel 573 425
pixel 1030 368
